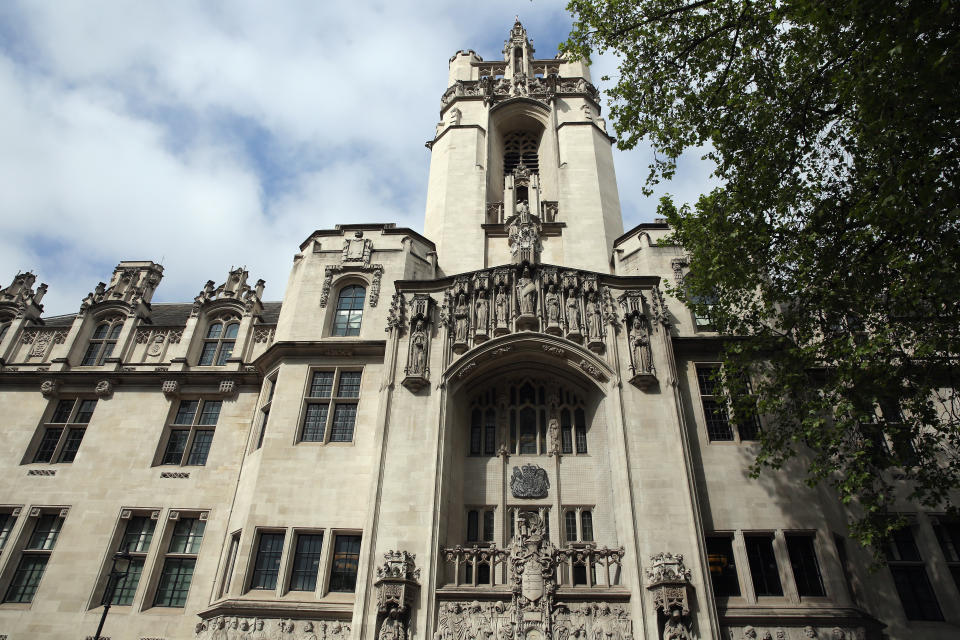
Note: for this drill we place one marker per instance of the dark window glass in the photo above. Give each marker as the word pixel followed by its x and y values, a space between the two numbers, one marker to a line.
pixel 723 567
pixel 45 532
pixel 473 526
pixel 528 430
pixel 314 422
pixel 226 350
pixel 475 434
pixel 62 413
pixel 718 422
pixel 322 384
pixel 48 444
pixel 187 535
pixel 763 566
pixel 806 570
pixel 186 411
pixel 174 582
pixel 344 415
pixel 126 586
pixel 902 547
pixel 6 524
pixel 267 565
pixel 570 524
pixel 71 445
pixel 349 386
pixel 208 353
pixel 349 311
pixel 581 431
pixel 346 557
pixel 306 562
pixel 173 454
pixel 490 434
pixel 948 535
pixel 586 526
pixel 488 526
pixel 202 440
pixel 210 413
pixel 26 579
pixel 85 412
pixel 916 595
pixel 137 535
pixel 215 331
pixel 566 432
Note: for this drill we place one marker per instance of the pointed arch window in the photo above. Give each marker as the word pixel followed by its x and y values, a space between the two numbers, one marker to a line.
pixel 102 342
pixel 521 147
pixel 219 343
pixel 349 311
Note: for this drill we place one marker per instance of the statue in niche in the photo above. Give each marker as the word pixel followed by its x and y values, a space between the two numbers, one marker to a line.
pixel 640 343
pixel 502 306
pixel 461 315
pixel 523 210
pixel 553 431
pixel 552 304
pixel 573 312
pixel 527 293
pixel 418 349
pixel 594 318
pixel 674 628
pixel 391 629
pixel 483 313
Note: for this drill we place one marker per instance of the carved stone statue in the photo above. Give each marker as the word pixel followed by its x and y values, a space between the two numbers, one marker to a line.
pixel 552 305
pixel 483 314
pixel 461 315
pixel 418 349
pixel 553 430
pixel 527 293
pixel 502 305
pixel 594 318
pixel 640 344
pixel 675 628
pixel 523 210
pixel 573 312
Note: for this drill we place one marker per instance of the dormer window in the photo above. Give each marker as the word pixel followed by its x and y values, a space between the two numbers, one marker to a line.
pixel 349 312
pixel 102 342
pixel 219 343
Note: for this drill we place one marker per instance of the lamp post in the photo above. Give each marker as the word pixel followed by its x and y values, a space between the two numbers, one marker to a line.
pixel 118 571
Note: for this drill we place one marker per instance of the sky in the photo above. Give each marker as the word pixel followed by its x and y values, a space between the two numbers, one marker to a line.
pixel 208 135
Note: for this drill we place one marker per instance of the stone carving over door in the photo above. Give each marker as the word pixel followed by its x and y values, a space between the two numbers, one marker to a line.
pixel 529 481
pixel 253 628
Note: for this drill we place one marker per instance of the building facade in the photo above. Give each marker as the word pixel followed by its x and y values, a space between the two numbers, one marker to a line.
pixel 505 428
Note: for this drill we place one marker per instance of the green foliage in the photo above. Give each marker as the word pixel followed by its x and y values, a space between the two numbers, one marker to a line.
pixel 834 242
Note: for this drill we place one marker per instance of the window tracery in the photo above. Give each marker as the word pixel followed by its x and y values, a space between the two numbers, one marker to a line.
pixel 102 342
pixel 220 340
pixel 520 147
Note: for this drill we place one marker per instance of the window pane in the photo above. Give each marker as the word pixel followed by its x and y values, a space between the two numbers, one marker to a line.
pixel 475 434
pixel 62 413
pixel 126 586
pixel 101 331
pixel 173 454
pixel 306 562
pixel 916 594
pixel 211 412
pixel 45 532
pixel 566 432
pixel 107 351
pixel 267 565
pixel 349 386
pixel 723 567
pixel 528 431
pixel 346 557
pixel 901 546
pixel 322 384
pixel 473 526
pixel 85 412
pixel 138 534
pixel 347 323
pixel 344 416
pixel 806 571
pixel 763 566
pixel 314 422
pixel 206 357
pixel 488 526
pixel 718 424
pixel 71 445
pixel 115 331
pixel 581 431
pixel 26 579
pixel 187 536
pixel 570 524
pixel 232 330
pixel 186 411
pixel 226 350
pixel 215 331
pixel 91 356
pixel 948 535
pixel 48 444
pixel 490 434
pixel 6 524
pixel 586 526
pixel 351 297
pixel 201 448
pixel 174 582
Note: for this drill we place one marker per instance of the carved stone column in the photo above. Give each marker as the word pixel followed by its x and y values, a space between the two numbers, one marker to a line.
pixel 397 586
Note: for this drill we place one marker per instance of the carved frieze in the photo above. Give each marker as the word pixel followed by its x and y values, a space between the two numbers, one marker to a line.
pixel 242 627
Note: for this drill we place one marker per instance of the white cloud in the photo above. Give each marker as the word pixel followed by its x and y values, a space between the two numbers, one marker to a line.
pixel 216 134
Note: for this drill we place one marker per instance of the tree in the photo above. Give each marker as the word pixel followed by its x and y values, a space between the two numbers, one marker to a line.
pixel 833 245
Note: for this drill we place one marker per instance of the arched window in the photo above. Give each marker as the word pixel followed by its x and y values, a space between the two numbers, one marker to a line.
pixel 4 327
pixel 349 311
pixel 102 342
pixel 586 525
pixel 219 343
pixel 520 146
pixel 570 525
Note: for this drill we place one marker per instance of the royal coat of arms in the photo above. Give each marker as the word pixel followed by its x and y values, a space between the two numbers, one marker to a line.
pixel 529 481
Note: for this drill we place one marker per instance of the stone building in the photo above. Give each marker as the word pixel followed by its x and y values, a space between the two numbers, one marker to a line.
pixel 504 428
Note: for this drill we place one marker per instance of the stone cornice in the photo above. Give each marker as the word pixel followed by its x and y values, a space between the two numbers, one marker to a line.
pixel 334 348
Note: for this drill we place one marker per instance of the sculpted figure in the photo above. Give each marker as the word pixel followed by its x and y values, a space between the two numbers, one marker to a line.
pixel 258 632
pixel 749 633
pixel 418 349
pixel 233 629
pixel 552 303
pixel 502 306
pixel 483 313
pixel 573 312
pixel 809 632
pixel 554 432
pixel 527 293
pixel 838 634
pixel 594 319
pixel 461 317
pixel 640 344
pixel 219 629
pixel 674 628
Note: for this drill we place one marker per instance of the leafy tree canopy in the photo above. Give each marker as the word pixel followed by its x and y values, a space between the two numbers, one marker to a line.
pixel 834 242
